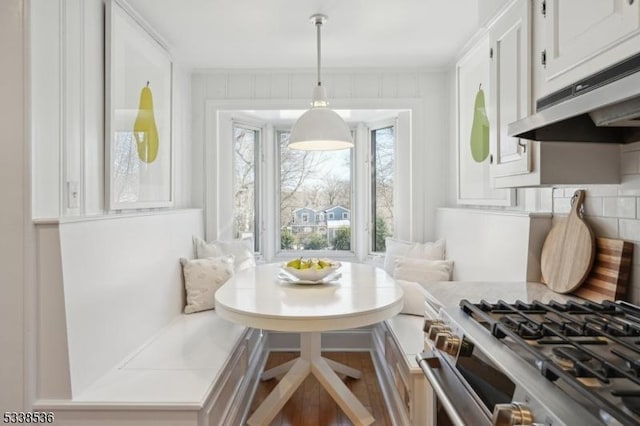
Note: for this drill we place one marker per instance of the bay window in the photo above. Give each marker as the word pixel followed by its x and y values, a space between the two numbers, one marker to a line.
pixel 338 204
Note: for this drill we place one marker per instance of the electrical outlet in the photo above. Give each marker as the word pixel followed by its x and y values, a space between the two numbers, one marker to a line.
pixel 73 195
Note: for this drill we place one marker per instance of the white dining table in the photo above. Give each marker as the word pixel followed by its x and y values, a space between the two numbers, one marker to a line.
pixel 361 296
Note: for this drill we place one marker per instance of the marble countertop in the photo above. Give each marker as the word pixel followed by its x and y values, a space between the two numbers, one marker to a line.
pixel 449 293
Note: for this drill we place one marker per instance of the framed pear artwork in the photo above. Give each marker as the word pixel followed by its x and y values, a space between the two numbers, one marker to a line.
pixel 138 114
pixel 475 186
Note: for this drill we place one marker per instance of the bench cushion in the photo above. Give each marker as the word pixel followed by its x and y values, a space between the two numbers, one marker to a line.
pixel 177 366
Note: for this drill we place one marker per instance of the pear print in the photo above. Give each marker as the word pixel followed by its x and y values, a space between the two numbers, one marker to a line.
pixel 480 129
pixel 144 128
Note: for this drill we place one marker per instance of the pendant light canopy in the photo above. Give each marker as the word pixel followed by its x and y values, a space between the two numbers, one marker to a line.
pixel 320 128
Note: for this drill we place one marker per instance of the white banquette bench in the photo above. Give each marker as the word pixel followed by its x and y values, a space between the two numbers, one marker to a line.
pixel 485 246
pixel 113 345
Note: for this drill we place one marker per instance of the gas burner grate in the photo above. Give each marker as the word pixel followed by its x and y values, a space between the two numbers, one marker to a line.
pixel 573 342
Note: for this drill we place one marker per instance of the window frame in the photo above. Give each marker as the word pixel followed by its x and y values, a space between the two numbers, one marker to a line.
pixel 371 128
pixel 257 192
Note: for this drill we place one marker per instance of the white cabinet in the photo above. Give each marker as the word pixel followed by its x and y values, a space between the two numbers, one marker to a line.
pixel 517 77
pixel 580 37
pixel 519 162
pixel 510 91
pixel 474 182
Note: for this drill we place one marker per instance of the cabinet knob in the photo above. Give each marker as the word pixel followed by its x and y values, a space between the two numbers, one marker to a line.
pixel 490 158
pixel 630 1
pixel 543 58
pixel 543 8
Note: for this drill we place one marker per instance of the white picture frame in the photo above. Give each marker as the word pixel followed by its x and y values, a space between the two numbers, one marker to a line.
pixel 138 159
pixel 475 186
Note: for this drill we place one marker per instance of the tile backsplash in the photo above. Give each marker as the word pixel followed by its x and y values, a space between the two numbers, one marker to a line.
pixel 613 211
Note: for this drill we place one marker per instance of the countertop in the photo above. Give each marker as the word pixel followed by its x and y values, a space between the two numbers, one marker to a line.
pixel 449 293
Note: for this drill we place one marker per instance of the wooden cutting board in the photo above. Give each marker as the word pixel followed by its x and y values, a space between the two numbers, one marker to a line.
pixel 609 277
pixel 568 250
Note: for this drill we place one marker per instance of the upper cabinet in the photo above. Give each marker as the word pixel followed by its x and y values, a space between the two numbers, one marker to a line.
pixel 576 38
pixel 473 108
pixel 517 77
pixel 510 89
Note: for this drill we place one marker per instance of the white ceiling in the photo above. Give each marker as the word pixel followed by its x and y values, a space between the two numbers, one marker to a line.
pixel 278 34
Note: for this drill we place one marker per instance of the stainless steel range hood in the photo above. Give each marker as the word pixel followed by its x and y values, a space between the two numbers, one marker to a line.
pixel 604 107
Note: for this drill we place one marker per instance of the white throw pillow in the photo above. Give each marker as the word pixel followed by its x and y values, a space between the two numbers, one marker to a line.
pixel 241 250
pixel 409 272
pixel 204 250
pixel 398 248
pixel 413 298
pixel 202 278
pixel 422 270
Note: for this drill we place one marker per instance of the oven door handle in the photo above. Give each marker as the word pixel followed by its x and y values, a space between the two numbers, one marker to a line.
pixel 460 405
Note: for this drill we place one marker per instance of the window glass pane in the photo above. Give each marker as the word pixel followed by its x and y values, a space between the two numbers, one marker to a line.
pixel 382 141
pixel 315 198
pixel 244 183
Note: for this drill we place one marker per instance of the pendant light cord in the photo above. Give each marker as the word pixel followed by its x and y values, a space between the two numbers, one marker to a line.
pixel 318 25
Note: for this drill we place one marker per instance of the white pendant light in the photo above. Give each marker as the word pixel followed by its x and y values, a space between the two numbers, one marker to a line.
pixel 320 128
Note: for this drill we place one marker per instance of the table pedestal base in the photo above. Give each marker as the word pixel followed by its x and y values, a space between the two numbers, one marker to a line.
pixel 311 362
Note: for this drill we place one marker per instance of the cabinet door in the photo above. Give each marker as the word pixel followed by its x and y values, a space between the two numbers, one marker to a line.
pixel 475 184
pixel 578 31
pixel 510 38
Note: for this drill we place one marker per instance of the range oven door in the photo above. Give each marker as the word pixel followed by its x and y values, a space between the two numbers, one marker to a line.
pixel 461 405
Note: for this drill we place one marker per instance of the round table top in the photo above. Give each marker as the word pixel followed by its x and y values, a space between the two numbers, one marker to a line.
pixel 256 298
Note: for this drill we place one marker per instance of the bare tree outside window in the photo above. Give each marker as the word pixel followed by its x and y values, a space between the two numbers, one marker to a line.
pixel 245 150
pixel 382 146
pixel 315 186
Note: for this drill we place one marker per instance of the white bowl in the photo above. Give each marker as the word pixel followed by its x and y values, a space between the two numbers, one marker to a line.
pixel 311 274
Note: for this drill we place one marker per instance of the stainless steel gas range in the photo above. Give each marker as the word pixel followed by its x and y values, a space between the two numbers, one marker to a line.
pixel 573 363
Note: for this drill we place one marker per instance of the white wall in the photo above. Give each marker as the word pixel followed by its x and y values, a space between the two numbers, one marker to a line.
pixel 364 89
pixel 487 9
pixel 15 203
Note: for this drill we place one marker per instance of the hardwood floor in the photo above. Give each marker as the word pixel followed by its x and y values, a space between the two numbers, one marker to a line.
pixel 311 405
